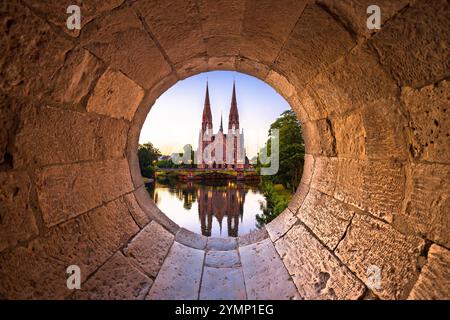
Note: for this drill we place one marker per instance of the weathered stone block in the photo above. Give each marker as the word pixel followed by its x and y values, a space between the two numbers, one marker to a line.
pixel 319 138
pixel 281 224
pixel 110 138
pixel 308 169
pixel 427 202
pixel 141 218
pixel 222 63
pixel 219 46
pixel 325 175
pixel 312 104
pixel 149 248
pixel 120 40
pixel 68 190
pixel 221 18
pixel 429 124
pixel 266 27
pixel 17 221
pixel 222 284
pixel 259 259
pixel 421 58
pixel 117 279
pixel 251 67
pixel 298 198
pixel 327 217
pixel 116 96
pixel 191 67
pixel 222 259
pixel 281 84
pixel 221 244
pixel 9 121
pixel 191 239
pixel 370 242
pixel 373 186
pixel 253 236
pixel 87 241
pixel 179 277
pixel 176 25
pixel 297 105
pixel 350 136
pixel 434 280
pixel 316 41
pixel 315 271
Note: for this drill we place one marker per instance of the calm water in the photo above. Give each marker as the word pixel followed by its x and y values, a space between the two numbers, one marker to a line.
pixel 219 209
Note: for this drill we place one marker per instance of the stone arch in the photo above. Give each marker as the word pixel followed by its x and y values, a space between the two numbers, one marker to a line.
pixel 373 105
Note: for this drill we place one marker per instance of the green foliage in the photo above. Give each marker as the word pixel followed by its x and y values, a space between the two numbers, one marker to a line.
pixel 148 155
pixel 277 199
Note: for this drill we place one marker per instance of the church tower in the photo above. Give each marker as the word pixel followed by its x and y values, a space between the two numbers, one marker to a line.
pixel 206 131
pixel 235 151
pixel 233 118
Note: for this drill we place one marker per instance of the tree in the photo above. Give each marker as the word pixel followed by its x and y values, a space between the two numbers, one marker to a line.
pixel 147 154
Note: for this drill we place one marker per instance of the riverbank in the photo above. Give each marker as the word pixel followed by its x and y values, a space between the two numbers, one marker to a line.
pixel 277 200
pixel 203 175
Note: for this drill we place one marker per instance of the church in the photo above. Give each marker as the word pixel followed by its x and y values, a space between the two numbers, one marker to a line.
pixel 221 150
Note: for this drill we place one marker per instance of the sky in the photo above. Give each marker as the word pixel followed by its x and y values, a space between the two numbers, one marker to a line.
pixel 175 118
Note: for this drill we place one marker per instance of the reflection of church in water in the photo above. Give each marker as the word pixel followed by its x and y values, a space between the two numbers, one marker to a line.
pixel 226 202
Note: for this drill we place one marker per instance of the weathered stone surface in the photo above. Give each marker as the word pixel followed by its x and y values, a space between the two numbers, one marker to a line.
pixel 76 78
pixel 316 41
pixel 325 175
pixel 421 58
pixel 429 124
pixel 173 22
pixel 191 239
pixel 266 277
pixel 281 224
pixel 117 279
pixel 141 218
pixel 350 136
pixel 312 104
pixel 221 244
pixel 253 237
pixel 68 190
pixel 222 63
pixel 9 121
pixel 87 241
pixel 120 40
pixel 370 242
pixel 17 221
pixel 149 248
pixel 251 67
pixel 316 273
pixel 222 259
pixel 280 84
pixel 319 138
pixel 191 67
pixel 434 280
pixel 298 198
pixel 179 277
pixel 222 18
pixel 353 82
pixel 373 186
pixel 266 27
pixel 297 105
pixel 116 96
pixel 327 217
pixel 31 52
pixel 55 10
pixel 110 138
pixel 426 204
pixel 308 169
pixel 350 13
pixel 222 284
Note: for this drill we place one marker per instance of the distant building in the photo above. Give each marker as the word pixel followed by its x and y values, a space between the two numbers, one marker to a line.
pixel 221 150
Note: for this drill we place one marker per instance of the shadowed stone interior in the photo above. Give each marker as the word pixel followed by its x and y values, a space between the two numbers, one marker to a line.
pixel 374 106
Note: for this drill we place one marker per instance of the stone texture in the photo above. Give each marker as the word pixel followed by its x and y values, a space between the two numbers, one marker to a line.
pixel 149 248
pixel 434 280
pixel 421 58
pixel 222 63
pixel 86 137
pixel 370 242
pixel 298 107
pixel 87 241
pixel 266 277
pixel 31 52
pixel 9 121
pixel 117 279
pixel 426 203
pixel 429 124
pixel 252 237
pixel 281 224
pixel 120 40
pixel 319 138
pixel 266 27
pixel 280 83
pixel 68 190
pixel 326 217
pixel 251 67
pixel 222 284
pixel 54 11
pixel 177 22
pixel 308 169
pixel 350 136
pixel 115 95
pixel 221 18
pixel 353 82
pixel 325 175
pixel 17 221
pixel 222 259
pixel 374 186
pixel 221 244
pixel 312 104
pixel 179 277
pixel 315 271
pixel 316 41
pixel 191 67
pixel 298 198
pixel 141 218
pixel 191 239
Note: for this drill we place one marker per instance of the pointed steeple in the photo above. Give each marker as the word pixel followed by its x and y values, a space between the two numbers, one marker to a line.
pixel 207 117
pixel 233 118
pixel 221 124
